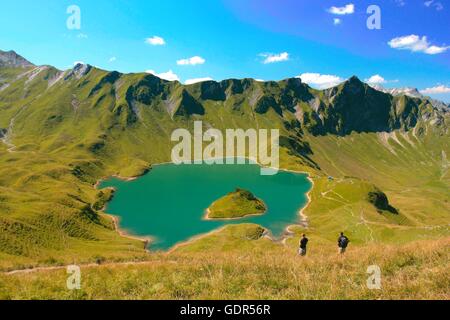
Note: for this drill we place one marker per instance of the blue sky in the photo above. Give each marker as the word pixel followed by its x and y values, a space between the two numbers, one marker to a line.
pixel 324 42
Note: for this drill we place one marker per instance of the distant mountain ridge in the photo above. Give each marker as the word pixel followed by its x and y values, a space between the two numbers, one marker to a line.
pixel 408 91
pixel 12 59
pixel 352 106
pixel 411 92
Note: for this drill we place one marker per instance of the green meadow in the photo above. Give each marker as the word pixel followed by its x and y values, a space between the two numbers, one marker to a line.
pixel 236 204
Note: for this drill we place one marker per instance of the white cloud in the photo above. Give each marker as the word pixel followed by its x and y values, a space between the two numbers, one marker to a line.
pixel 82 36
pixel 436 49
pixel 436 90
pixel 169 75
pixel 155 41
pixel 436 4
pixel 272 58
pixel 321 81
pixel 191 61
pixel 416 44
pixel 411 42
pixel 112 59
pixel 400 3
pixel 347 9
pixel 376 79
pixel 259 80
pixel 337 21
pixel 197 80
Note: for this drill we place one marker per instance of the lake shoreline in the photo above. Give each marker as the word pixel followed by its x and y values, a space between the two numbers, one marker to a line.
pixel 147 240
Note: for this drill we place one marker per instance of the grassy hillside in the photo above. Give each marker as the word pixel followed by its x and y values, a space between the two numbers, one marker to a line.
pixel 253 269
pixel 62 131
pixel 236 204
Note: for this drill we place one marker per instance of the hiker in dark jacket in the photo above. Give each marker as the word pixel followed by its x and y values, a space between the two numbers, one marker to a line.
pixel 303 242
pixel 342 243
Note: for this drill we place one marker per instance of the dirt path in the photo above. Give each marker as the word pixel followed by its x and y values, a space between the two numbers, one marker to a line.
pixel 85 265
pixel 325 196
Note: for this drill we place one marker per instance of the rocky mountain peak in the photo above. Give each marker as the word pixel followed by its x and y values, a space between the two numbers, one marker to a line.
pixel 353 85
pixel 12 60
pixel 78 71
pixel 354 79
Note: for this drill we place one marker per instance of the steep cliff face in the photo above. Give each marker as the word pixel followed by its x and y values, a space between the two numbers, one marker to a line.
pixel 355 106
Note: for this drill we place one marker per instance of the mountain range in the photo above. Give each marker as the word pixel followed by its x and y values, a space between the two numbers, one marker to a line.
pixel 352 106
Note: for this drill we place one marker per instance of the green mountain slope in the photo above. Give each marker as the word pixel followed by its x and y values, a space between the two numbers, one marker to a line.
pixel 61 131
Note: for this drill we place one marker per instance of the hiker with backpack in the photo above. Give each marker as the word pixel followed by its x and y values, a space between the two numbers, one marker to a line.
pixel 342 243
pixel 303 242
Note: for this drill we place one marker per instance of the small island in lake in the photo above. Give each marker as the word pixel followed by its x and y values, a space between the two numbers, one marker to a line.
pixel 237 204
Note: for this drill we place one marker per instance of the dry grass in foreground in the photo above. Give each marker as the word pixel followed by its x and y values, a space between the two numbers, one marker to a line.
pixel 414 271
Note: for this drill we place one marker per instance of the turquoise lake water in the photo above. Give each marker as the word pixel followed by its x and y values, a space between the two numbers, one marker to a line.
pixel 169 203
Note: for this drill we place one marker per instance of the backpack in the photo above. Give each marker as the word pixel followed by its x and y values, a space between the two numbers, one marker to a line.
pixel 303 243
pixel 344 242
